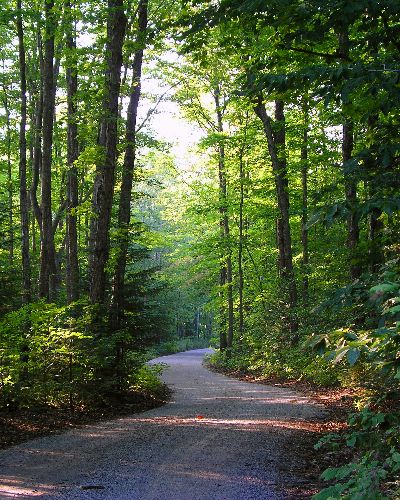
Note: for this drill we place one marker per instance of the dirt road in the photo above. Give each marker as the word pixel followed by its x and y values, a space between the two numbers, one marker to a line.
pixel 218 438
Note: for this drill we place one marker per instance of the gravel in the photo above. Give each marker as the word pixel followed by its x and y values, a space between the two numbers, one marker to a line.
pixel 218 438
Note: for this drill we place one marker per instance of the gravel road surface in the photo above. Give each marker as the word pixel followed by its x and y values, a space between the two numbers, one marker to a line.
pixel 218 438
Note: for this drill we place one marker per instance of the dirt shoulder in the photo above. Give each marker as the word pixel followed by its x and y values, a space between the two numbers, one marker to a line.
pixel 23 424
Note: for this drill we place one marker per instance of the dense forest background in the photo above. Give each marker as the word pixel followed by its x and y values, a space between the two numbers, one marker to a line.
pixel 275 238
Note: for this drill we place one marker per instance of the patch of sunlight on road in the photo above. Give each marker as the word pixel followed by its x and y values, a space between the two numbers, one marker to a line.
pixel 236 423
pixel 12 488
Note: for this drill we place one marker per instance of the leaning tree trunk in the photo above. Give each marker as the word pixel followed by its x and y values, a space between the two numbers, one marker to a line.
pixel 47 257
pixel 276 146
pixel 103 189
pixel 226 335
pixel 124 214
pixel 72 266
pixel 23 192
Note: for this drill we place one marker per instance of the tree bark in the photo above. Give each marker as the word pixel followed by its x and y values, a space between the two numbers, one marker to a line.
pixel 376 226
pixel 72 265
pixel 353 230
pixel 276 146
pixel 37 122
pixel 226 335
pixel 9 177
pixel 104 181
pixel 124 213
pixel 242 179
pixel 240 249
pixel 304 211
pixel 47 277
pixel 23 192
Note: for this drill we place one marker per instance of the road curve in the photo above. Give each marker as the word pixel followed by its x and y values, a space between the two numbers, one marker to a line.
pixel 217 439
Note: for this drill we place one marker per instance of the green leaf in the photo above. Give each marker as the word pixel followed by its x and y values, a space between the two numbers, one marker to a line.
pixel 353 355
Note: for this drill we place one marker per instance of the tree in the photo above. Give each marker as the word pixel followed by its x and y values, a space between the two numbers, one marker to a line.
pixel 72 265
pixel 124 213
pixel 105 168
pixel 48 272
pixel 23 192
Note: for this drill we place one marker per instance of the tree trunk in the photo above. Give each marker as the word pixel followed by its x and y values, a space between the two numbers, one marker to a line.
pixel 276 146
pixel 47 258
pixel 23 193
pixel 124 214
pixel 104 181
pixel 376 255
pixel 72 265
pixel 240 249
pixel 242 225
pixel 226 337
pixel 37 122
pixel 304 211
pixel 353 231
pixel 9 177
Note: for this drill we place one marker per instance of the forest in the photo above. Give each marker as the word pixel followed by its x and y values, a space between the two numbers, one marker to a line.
pixel 267 225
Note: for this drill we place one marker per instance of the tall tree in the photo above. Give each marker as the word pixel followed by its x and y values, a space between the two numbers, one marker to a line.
pixel 277 149
pixel 105 169
pixel 47 281
pixel 124 213
pixel 72 265
pixel 304 188
pixel 226 279
pixel 23 192
pixel 350 182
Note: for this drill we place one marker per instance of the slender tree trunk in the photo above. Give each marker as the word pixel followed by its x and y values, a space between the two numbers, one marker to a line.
pixel 72 264
pixel 37 158
pixel 9 177
pixel 23 192
pixel 276 146
pixel 242 179
pixel 304 212
pixel 47 257
pixel 104 181
pixel 226 261
pixel 375 223
pixel 353 230
pixel 240 249
pixel 124 214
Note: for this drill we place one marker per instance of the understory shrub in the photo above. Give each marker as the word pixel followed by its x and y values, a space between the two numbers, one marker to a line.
pixel 370 348
pixel 52 355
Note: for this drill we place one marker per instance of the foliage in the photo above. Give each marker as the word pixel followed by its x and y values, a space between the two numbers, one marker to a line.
pixel 49 356
pixel 177 345
pixel 374 433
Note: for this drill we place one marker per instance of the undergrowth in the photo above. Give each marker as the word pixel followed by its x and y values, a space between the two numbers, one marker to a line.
pixel 177 345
